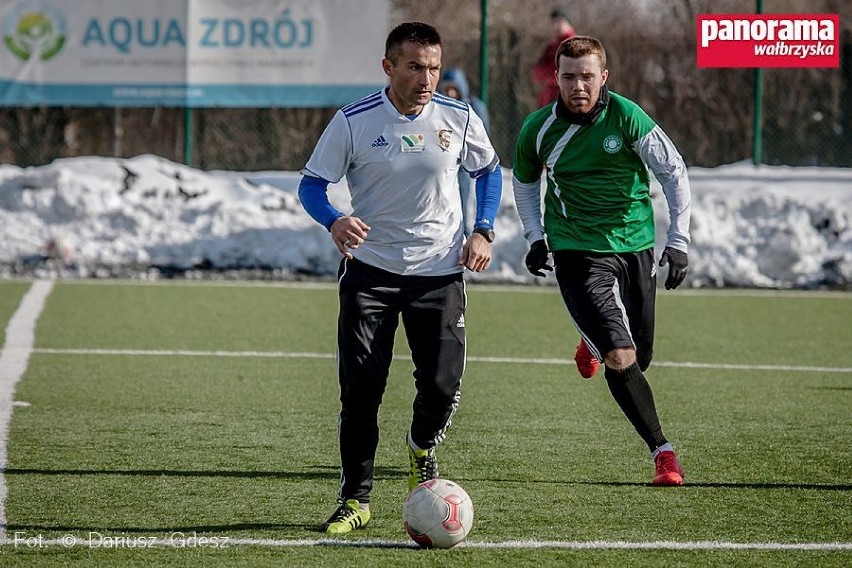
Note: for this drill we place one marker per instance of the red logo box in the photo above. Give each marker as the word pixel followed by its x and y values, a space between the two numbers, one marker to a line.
pixel 768 40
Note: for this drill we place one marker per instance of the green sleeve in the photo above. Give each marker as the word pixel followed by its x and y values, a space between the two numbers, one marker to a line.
pixel 528 165
pixel 636 124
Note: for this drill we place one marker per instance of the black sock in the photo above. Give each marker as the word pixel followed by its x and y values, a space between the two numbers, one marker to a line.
pixel 633 394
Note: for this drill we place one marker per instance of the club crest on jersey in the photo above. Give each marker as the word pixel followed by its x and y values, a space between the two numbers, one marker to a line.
pixel 412 143
pixel 444 138
pixel 612 144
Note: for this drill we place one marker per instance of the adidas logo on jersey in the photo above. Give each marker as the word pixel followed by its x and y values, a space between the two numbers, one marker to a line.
pixel 379 142
pixel 460 323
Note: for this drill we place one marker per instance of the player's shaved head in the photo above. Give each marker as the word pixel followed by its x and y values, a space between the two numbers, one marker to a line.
pixel 414 32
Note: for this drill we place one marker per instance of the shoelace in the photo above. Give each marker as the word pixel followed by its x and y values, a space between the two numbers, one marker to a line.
pixel 667 463
pixel 427 467
pixel 344 513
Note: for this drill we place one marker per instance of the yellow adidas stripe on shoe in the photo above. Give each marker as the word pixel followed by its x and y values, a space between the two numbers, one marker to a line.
pixel 348 516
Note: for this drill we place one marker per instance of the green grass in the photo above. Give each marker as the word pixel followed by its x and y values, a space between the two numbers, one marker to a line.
pixel 245 447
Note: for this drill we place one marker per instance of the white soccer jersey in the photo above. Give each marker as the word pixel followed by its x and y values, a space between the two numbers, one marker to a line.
pixel 402 178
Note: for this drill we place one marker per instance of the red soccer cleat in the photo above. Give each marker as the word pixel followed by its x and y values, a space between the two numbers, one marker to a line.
pixel 586 362
pixel 669 471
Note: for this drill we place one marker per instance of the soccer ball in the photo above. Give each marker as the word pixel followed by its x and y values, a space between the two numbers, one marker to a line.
pixel 438 514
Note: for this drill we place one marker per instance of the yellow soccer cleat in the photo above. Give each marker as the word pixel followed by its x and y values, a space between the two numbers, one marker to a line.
pixel 349 516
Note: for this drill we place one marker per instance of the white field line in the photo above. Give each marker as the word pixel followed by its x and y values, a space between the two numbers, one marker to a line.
pixel 498 360
pixel 20 336
pixel 197 541
pixel 547 288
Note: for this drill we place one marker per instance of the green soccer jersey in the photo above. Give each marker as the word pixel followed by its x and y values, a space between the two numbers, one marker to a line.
pixel 598 193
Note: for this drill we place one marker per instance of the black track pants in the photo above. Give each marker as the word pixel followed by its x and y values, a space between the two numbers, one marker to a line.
pixel 432 310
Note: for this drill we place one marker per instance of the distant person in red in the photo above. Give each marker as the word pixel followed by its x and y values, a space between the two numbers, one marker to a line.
pixel 544 71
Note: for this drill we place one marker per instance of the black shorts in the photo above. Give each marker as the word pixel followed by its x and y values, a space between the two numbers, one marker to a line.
pixel 611 299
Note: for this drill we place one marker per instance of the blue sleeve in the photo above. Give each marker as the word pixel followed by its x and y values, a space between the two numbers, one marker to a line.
pixel 489 190
pixel 313 193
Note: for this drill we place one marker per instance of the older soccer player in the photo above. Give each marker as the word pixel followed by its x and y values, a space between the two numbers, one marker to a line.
pixel 404 253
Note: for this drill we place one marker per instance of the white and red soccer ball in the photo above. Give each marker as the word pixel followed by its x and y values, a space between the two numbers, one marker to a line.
pixel 438 514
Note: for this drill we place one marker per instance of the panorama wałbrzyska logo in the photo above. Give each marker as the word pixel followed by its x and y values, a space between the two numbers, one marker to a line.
pixel 768 40
pixel 33 29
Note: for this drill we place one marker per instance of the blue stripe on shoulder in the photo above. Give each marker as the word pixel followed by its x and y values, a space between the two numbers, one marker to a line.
pixel 351 113
pixel 377 96
pixel 449 101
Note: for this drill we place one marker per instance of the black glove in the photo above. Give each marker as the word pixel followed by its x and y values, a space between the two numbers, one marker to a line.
pixel 537 259
pixel 677 261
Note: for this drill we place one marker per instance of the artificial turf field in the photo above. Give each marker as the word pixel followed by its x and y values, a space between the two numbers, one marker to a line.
pixel 186 423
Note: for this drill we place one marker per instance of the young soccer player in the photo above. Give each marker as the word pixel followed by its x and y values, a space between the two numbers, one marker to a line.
pixel 596 147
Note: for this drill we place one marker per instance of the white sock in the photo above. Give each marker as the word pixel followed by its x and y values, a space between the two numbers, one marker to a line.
pixel 413 446
pixel 667 447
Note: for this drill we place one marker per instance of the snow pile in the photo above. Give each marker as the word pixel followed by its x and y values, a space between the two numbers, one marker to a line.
pixel 771 227
pixel 761 227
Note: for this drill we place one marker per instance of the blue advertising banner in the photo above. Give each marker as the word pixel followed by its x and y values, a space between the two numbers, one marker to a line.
pixel 194 53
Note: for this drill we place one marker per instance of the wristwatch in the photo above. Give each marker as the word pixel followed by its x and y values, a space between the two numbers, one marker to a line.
pixel 486 232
